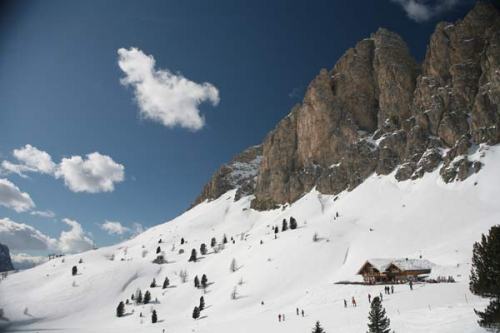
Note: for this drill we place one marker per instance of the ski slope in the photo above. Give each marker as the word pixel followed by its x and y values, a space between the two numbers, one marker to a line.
pixel 382 218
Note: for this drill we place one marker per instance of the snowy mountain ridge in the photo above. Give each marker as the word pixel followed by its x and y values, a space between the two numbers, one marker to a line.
pixel 381 218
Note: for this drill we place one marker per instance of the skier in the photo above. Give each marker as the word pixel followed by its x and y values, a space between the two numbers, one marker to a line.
pixel 369 298
pixel 283 315
pixel 302 312
pixel 345 303
pixel 411 285
pixel 279 318
pixel 297 311
pixel 392 289
pixel 353 301
pixel 381 296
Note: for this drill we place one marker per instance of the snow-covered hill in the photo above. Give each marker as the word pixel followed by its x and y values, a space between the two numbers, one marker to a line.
pixel 381 218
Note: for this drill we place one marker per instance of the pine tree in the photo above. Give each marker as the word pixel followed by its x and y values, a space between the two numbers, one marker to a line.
pixel 234 266
pixel 317 328
pixel 284 226
pixel 203 249
pixel 204 281
pixel 158 250
pixel 166 283
pixel 138 296
pixel 378 321
pixel 293 223
pixel 485 276
pixel 193 255
pixel 196 312
pixel 153 283
pixel 147 297
pixel 196 282
pixel 213 242
pixel 202 303
pixel 154 317
pixel 120 309
pixel 74 270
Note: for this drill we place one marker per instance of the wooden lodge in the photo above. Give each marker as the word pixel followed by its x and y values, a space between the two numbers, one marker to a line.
pixel 394 270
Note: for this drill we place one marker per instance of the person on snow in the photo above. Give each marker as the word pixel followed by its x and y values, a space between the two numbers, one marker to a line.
pixel 381 297
pixel 353 301
pixel 279 317
pixel 297 310
pixel 369 298
pixel 392 289
pixel 283 316
pixel 411 285
pixel 302 312
pixel 345 303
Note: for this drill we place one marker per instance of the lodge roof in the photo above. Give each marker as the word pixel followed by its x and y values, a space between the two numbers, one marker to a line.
pixel 404 264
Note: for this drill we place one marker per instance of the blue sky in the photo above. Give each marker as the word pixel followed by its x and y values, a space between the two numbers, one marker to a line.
pixel 60 92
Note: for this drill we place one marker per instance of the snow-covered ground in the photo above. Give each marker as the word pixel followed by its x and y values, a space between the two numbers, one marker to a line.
pixel 379 219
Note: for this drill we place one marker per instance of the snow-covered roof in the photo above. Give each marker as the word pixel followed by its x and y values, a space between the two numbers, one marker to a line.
pixel 382 264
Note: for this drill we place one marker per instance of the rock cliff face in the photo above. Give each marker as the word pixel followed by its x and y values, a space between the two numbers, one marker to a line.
pixel 377 111
pixel 5 262
pixel 240 173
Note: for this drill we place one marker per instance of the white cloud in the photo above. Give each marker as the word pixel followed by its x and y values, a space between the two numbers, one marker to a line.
pixel 75 240
pixel 20 237
pixel 93 173
pixel 25 261
pixel 114 227
pixel 43 213
pixel 96 173
pixel 424 10
pixel 12 197
pixel 164 97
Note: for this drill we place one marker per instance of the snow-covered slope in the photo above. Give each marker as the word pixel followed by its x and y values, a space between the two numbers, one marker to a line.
pixel 381 218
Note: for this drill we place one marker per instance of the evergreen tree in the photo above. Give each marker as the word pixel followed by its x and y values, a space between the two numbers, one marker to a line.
pixel 196 313
pixel 147 297
pixel 213 242
pixel 203 249
pixel 293 223
pixel 138 296
pixel 202 303
pixel 153 283
pixel 158 250
pixel 378 321
pixel 193 255
pixel 317 328
pixel 224 239
pixel 120 310
pixel 74 270
pixel 196 282
pixel 166 283
pixel 154 317
pixel 234 266
pixel 204 281
pixel 284 226
pixel 485 276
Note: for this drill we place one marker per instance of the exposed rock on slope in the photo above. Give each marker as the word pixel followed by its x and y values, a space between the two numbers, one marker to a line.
pixel 240 173
pixel 5 262
pixel 378 111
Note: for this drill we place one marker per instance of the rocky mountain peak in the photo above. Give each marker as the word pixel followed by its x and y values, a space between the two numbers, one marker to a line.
pixel 378 111
pixel 5 261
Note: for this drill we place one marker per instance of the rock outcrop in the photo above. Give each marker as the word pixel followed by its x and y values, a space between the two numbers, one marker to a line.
pixel 5 261
pixel 378 111
pixel 240 173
